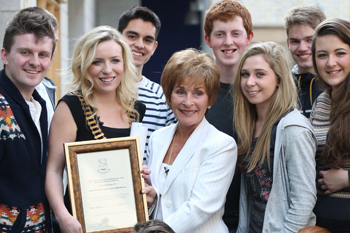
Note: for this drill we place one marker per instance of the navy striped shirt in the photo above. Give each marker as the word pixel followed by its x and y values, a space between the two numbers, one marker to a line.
pixel 158 114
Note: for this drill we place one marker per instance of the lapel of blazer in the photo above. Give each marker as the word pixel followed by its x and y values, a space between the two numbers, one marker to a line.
pixel 186 153
pixel 161 145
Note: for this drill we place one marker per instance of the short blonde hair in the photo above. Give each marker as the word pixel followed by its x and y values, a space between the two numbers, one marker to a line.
pixel 83 56
pixel 194 66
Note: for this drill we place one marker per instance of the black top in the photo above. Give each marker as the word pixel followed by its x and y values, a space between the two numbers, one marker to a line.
pixel 221 116
pixel 84 133
pixel 259 183
pixel 221 113
pixel 23 158
pixel 303 88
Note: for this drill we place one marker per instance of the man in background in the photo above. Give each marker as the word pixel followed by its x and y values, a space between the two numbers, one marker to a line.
pixel 228 30
pixel 140 27
pixel 300 24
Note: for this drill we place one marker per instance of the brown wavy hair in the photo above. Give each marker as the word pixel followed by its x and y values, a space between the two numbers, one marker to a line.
pixel 337 146
pixel 193 66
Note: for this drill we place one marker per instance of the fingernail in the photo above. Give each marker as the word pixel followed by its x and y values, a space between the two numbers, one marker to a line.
pixel 142 171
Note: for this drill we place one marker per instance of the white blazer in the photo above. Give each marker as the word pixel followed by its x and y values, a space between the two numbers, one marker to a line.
pixel 194 192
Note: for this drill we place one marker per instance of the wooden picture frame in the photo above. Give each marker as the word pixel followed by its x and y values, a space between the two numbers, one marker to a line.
pixel 105 183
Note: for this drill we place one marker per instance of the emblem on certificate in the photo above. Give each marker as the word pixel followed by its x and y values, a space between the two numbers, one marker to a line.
pixel 105 183
pixel 103 166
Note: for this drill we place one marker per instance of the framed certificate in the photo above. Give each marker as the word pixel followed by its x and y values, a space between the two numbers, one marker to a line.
pixel 105 183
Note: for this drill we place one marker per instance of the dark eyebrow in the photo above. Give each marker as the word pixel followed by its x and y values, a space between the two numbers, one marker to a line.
pixel 136 33
pixel 132 32
pixel 341 49
pixel 307 37
pixel 338 49
pixel 150 37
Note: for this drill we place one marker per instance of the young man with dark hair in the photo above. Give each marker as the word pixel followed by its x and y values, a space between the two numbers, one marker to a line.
pixel 140 27
pixel 300 24
pixel 228 30
pixel 28 47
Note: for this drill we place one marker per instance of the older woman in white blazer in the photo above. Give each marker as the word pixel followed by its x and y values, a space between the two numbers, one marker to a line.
pixel 192 163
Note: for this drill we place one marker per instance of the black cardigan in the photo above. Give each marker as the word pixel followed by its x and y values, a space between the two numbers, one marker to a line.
pixel 23 158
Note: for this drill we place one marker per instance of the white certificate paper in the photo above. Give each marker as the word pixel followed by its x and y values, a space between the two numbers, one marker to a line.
pixel 137 129
pixel 107 190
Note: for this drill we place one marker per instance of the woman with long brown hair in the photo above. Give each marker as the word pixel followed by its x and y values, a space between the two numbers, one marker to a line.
pixel 330 118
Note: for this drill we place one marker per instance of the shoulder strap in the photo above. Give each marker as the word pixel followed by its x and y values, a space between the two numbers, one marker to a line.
pixel 90 119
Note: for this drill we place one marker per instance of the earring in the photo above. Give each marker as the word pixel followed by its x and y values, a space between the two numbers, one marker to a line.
pixel 209 107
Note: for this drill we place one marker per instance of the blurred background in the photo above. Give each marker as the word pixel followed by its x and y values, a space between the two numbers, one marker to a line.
pixel 182 24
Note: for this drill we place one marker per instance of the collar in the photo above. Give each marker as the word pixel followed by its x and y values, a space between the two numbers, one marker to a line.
pixel 301 78
pixel 14 93
pixel 10 88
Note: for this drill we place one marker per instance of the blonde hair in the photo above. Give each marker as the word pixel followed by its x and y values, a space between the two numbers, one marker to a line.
pixel 83 56
pixel 284 100
pixel 194 66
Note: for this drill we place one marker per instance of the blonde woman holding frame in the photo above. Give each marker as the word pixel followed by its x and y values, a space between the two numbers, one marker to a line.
pixel 102 85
